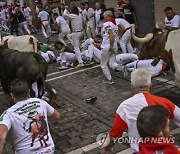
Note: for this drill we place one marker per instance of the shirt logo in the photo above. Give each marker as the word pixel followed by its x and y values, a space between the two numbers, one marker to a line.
pixel 2 115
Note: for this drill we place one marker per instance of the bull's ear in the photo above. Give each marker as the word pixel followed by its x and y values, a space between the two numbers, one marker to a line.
pixel 6 43
pixel 31 40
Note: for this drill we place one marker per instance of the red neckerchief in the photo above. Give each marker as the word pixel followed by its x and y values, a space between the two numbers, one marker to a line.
pixel 121 4
pixel 172 17
pixel 111 20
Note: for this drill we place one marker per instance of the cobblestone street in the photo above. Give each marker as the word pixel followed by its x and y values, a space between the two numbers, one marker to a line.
pixel 80 122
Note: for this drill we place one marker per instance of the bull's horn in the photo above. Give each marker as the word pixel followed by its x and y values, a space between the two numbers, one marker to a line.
pixel 143 40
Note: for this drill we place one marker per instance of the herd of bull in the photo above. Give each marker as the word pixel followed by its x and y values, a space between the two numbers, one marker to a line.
pixel 20 58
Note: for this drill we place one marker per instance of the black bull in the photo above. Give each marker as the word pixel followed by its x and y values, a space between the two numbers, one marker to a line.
pixel 28 66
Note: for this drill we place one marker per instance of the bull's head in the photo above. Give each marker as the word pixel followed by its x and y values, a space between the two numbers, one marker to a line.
pixel 152 43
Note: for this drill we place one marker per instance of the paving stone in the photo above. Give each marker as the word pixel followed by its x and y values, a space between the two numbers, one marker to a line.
pixel 80 122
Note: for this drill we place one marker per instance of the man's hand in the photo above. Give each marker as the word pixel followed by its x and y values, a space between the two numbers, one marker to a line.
pixel 104 151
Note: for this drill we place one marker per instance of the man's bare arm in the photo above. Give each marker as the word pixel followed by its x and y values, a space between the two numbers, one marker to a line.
pixel 55 116
pixel 171 28
pixel 108 147
pixel 121 30
pixel 3 134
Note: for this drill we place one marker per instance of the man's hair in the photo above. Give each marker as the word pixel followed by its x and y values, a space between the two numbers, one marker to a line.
pixel 82 4
pixel 152 120
pixel 98 37
pixel 19 89
pixel 168 9
pixel 58 42
pixel 86 3
pixel 108 13
pixel 55 14
pixel 140 78
pixel 74 10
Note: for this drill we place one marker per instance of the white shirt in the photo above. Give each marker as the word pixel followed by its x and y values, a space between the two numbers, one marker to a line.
pixel 76 21
pixel 87 43
pixel 62 23
pixel 174 22
pixel 3 14
pixel 89 14
pixel 43 15
pixel 106 40
pixel 27 12
pixel 2 3
pixel 24 118
pixel 153 70
pixel 97 17
pixel 123 22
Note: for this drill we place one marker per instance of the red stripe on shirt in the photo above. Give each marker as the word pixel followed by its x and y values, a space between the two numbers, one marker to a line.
pixel 156 100
pixel 119 126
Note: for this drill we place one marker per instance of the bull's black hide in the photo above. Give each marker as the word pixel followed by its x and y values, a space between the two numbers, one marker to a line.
pixel 29 66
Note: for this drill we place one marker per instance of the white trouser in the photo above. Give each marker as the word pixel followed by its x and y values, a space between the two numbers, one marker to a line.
pixel 75 42
pixel 4 24
pixel 71 57
pixel 94 52
pixel 45 55
pixel 125 42
pixel 84 54
pixel 46 29
pixel 106 56
pixel 63 34
pixel 131 66
pixel 90 29
pixel 68 57
pixel 98 30
pixel 23 25
pixel 125 58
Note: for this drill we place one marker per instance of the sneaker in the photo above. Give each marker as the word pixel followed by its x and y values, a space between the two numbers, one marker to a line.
pixel 118 68
pixel 88 63
pixel 91 99
pixel 70 64
pixel 80 65
pixel 110 82
pixel 125 71
pixel 63 66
